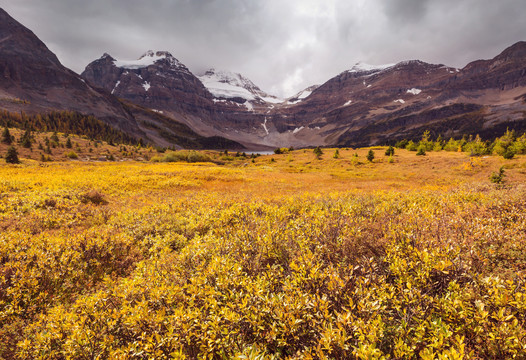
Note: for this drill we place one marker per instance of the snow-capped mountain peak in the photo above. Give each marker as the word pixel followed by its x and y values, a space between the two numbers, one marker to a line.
pixel 147 59
pixel 361 67
pixel 229 85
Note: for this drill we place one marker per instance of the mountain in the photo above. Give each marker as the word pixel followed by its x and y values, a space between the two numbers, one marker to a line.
pixel 226 85
pixel 364 105
pixel 157 98
pixel 229 106
pixel 35 82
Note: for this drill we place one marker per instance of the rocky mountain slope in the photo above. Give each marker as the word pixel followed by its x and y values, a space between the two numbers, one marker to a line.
pixel 362 106
pixel 34 81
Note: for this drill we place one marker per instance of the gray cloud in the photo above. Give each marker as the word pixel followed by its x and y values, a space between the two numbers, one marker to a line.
pixel 405 12
pixel 283 46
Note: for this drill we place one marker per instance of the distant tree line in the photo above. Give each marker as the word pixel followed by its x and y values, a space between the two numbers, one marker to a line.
pixel 507 145
pixel 66 122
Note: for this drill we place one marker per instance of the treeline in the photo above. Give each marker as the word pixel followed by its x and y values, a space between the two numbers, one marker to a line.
pixel 66 122
pixel 508 145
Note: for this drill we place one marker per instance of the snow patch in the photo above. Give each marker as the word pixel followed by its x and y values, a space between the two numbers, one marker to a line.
pixel 249 106
pixel 149 58
pixel 401 101
pixel 271 99
pixel 304 94
pixel 157 111
pixel 265 126
pixel 414 91
pixel 226 84
pixel 363 67
pixel 369 85
pixel 225 90
pixel 146 86
pixel 297 130
pixel 115 87
pixel 348 103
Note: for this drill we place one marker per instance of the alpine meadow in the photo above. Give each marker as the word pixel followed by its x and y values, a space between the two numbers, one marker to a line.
pixel 296 255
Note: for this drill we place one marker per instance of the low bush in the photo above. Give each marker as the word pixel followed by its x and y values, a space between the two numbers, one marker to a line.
pixel 189 156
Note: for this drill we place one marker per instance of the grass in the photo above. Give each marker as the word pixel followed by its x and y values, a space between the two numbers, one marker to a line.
pixel 421 257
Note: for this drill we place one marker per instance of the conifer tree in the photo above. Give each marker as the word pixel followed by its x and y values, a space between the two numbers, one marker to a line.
pixel 25 140
pixel 318 152
pixel 6 136
pixel 370 156
pixel 12 156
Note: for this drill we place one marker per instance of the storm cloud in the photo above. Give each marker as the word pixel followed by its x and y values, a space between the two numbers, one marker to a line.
pixel 283 46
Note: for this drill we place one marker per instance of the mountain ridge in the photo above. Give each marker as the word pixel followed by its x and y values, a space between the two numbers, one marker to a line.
pixel 364 105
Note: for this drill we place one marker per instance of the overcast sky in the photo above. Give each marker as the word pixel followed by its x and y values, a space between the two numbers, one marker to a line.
pixel 283 46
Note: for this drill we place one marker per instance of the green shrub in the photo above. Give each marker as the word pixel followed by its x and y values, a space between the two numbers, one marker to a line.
pixel 411 146
pixel 401 144
pixel 508 153
pixel 72 155
pixel 498 177
pixel 189 156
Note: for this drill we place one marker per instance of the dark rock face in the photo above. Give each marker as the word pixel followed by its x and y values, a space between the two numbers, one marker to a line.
pixel 156 80
pixel 31 72
pixel 505 72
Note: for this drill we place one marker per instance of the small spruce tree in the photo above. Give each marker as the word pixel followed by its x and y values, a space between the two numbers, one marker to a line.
pixel 336 154
pixel 25 140
pixel 498 178
pixel 370 156
pixel 6 136
pixel 54 137
pixel 12 156
pixel 69 145
pixel 390 151
pixel 318 152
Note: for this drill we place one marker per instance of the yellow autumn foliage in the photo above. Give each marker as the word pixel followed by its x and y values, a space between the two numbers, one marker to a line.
pixel 327 259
